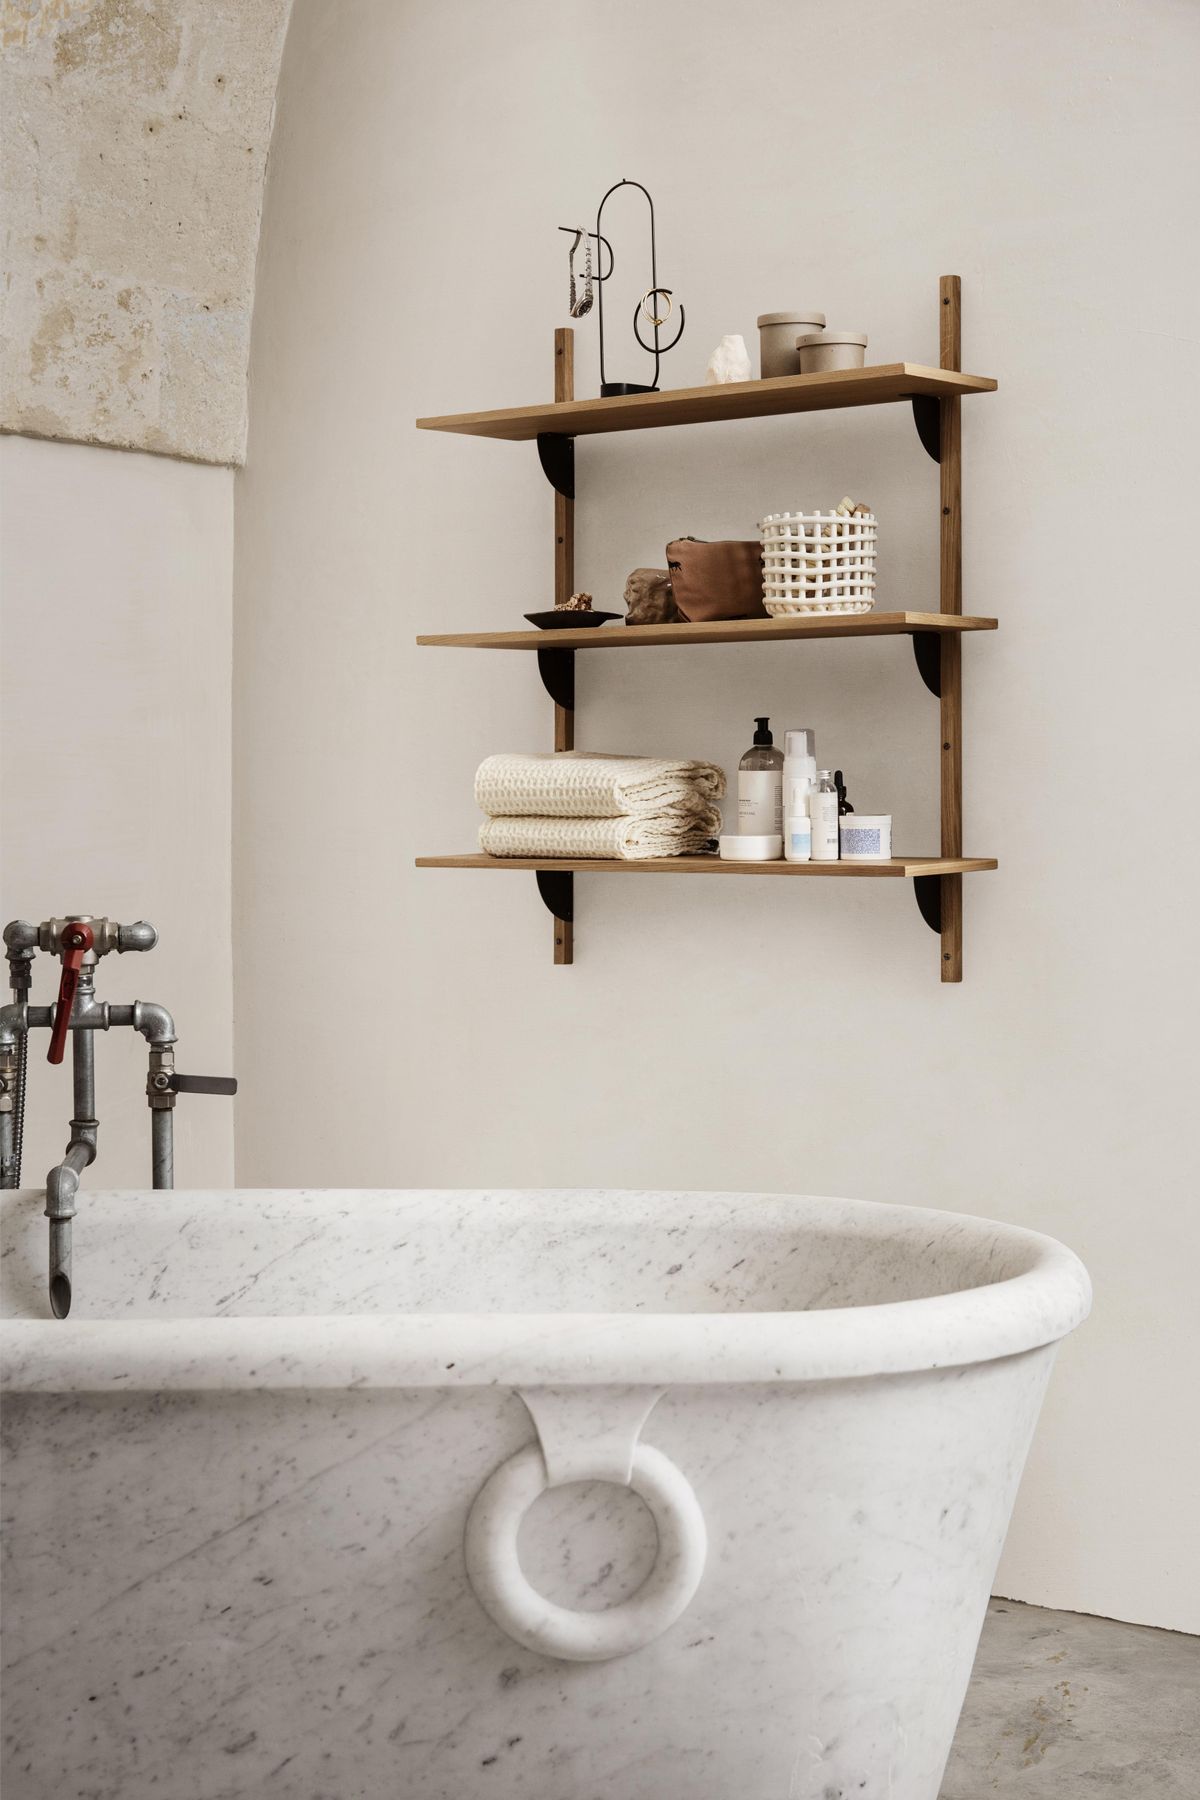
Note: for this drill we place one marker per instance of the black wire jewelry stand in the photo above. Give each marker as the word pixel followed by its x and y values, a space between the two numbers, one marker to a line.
pixel 658 349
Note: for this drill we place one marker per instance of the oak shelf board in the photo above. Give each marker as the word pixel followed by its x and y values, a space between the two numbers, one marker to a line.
pixel 880 385
pixel 719 631
pixel 902 867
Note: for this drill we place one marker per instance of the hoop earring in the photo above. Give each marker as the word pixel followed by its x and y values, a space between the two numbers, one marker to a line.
pixel 654 319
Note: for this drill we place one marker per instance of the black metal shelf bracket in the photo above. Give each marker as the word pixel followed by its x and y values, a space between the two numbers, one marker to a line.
pixel 557 889
pixel 927 648
pixel 557 670
pixel 928 890
pixel 927 416
pixel 556 454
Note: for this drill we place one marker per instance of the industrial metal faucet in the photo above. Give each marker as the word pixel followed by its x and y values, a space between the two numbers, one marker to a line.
pixel 79 941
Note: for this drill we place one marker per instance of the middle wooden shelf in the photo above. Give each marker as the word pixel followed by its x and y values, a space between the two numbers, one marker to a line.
pixel 909 868
pixel 718 631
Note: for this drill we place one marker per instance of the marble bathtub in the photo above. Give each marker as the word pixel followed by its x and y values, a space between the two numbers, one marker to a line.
pixel 564 1496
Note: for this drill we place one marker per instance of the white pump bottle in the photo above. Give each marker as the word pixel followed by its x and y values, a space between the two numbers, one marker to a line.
pixel 799 781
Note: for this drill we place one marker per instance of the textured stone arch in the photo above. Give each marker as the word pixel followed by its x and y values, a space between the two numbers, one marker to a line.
pixel 135 136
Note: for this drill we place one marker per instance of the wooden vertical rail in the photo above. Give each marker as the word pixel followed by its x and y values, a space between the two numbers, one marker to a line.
pixel 564 587
pixel 950 346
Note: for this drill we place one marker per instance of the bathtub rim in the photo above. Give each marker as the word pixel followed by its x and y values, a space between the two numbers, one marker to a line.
pixel 1026 1311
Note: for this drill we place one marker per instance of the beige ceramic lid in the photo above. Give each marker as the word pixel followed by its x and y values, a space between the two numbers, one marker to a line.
pixel 800 316
pixel 833 337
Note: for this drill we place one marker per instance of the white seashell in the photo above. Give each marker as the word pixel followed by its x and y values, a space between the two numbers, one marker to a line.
pixel 730 361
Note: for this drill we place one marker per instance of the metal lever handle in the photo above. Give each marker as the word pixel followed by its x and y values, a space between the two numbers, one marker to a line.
pixel 203 1084
pixel 76 941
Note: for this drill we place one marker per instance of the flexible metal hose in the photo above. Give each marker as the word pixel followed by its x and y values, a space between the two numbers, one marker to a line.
pixel 19 1106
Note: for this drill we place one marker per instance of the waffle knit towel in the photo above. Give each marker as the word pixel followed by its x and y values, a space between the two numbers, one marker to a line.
pixel 669 833
pixel 572 784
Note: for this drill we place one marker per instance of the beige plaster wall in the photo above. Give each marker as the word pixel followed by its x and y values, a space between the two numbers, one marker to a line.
pixel 409 1027
pixel 115 581
pixel 134 137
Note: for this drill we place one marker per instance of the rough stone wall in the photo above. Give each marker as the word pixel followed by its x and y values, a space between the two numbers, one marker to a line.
pixel 134 142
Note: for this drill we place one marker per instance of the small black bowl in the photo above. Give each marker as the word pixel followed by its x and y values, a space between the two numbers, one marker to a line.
pixel 562 619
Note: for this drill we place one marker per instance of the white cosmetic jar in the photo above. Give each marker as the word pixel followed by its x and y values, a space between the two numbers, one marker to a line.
pixel 866 837
pixel 746 846
pixel 823 352
pixel 777 332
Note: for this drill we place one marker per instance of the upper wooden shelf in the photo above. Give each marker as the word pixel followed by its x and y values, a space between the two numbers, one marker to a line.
pixel 719 631
pixel 898 867
pixel 703 405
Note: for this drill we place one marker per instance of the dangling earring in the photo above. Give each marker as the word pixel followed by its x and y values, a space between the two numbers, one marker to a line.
pixel 582 303
pixel 571 264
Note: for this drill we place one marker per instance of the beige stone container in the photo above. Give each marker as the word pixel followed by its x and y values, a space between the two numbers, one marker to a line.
pixel 777 333
pixel 822 352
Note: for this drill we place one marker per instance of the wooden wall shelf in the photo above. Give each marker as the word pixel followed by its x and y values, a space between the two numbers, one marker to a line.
pixel 882 385
pixel 936 396
pixel 720 631
pixel 898 867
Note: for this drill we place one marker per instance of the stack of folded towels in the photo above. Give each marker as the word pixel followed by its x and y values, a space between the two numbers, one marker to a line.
pixel 575 804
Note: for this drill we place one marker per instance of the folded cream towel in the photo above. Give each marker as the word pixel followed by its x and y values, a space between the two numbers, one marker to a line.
pixel 671 833
pixel 573 784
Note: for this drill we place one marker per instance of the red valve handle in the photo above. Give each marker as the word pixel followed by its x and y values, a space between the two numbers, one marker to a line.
pixel 77 940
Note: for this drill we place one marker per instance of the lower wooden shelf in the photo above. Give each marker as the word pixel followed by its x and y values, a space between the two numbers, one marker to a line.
pixel 904 867
pixel 937 883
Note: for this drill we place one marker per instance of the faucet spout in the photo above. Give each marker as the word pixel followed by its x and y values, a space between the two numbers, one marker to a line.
pixel 60 1270
pixel 62 1185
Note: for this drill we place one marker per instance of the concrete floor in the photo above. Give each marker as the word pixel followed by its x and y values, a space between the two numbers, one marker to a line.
pixel 1067 1707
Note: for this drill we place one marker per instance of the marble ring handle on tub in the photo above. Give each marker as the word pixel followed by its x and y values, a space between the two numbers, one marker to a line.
pixel 493 1566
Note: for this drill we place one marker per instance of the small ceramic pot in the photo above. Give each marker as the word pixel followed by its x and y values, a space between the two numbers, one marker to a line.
pixel 866 837
pixel 777 332
pixel 821 352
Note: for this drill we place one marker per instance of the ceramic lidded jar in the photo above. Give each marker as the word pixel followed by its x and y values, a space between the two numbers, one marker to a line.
pixel 777 334
pixel 821 352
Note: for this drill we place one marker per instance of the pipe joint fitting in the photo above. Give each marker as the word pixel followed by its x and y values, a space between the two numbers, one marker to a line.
pixel 62 1185
pixel 155 1024
pixel 20 936
pixel 160 1090
pixel 85 1133
pixel 139 936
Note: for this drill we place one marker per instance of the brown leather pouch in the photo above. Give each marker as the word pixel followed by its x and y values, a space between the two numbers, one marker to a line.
pixel 717 581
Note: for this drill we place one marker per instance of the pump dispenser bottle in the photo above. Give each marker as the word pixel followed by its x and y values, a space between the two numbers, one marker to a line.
pixel 760 785
pixel 799 780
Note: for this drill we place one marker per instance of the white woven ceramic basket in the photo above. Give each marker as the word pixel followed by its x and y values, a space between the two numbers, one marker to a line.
pixel 818 563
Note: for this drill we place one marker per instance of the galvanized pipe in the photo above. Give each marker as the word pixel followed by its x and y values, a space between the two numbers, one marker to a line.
pixel 162 1148
pixel 15 1019
pixel 62 1183
pixel 83 1080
